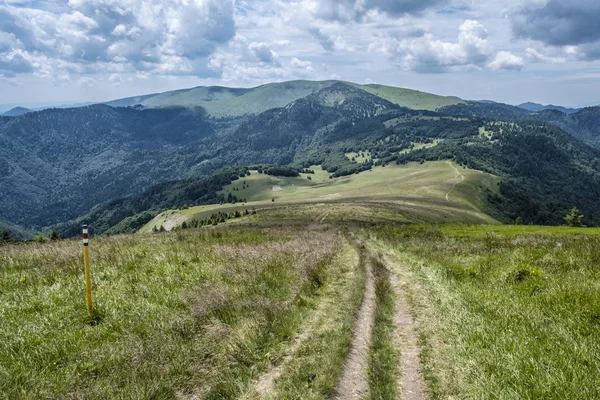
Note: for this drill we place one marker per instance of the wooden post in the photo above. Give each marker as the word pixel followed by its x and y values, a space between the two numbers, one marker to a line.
pixel 86 261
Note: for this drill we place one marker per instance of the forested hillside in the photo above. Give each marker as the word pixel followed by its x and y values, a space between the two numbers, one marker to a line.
pixel 57 164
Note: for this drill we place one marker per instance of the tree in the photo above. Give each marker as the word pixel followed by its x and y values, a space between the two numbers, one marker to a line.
pixel 6 236
pixel 54 235
pixel 184 225
pixel 574 218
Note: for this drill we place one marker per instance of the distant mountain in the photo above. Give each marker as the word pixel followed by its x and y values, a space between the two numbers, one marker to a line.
pixel 15 112
pixel 220 102
pixel 57 164
pixel 535 107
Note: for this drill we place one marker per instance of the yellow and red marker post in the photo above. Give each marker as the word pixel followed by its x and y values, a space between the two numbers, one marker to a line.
pixel 88 276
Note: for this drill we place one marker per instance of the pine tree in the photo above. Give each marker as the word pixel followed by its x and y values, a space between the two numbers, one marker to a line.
pixel 54 235
pixel 6 236
pixel 574 218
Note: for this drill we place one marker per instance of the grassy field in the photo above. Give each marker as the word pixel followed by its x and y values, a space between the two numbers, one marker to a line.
pixel 244 311
pixel 410 98
pixel 505 312
pixel 226 102
pixel 430 192
pixel 199 314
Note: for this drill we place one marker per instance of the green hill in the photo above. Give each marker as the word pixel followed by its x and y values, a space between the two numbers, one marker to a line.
pixel 409 98
pixel 219 101
pixel 431 192
pixel 226 102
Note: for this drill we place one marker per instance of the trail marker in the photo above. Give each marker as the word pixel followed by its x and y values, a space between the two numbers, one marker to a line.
pixel 86 261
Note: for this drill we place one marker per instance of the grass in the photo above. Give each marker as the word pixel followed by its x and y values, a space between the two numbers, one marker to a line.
pixel 360 157
pixel 415 192
pixel 315 366
pixel 410 98
pixel 384 357
pixel 194 313
pixel 228 102
pixel 505 312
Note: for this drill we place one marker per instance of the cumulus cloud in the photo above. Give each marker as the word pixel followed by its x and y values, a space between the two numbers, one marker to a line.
pixel 571 26
pixel 507 61
pixel 427 54
pixel 172 37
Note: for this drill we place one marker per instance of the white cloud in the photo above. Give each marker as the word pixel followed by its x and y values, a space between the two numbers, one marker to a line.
pixel 173 36
pixel 427 54
pixel 507 61
pixel 536 56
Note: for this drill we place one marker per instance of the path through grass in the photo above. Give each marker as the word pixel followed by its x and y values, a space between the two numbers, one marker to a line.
pixel 195 313
pixel 505 312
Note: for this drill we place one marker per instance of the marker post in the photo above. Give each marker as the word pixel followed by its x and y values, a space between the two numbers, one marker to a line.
pixel 86 261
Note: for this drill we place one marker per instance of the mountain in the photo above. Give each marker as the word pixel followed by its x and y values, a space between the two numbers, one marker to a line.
pixel 111 164
pixel 583 124
pixel 220 102
pixel 15 112
pixel 535 107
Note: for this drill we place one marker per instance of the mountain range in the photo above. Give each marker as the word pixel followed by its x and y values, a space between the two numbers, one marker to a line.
pixel 137 156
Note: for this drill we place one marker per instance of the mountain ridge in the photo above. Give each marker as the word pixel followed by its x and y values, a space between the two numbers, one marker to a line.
pixel 58 164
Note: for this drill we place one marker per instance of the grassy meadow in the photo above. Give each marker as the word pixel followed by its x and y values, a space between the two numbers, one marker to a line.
pixel 194 314
pixel 268 307
pixel 505 312
pixel 433 192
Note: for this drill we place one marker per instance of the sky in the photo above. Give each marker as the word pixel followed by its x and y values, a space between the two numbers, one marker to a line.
pixel 74 51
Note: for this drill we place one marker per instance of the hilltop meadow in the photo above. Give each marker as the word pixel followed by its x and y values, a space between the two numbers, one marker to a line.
pixel 316 309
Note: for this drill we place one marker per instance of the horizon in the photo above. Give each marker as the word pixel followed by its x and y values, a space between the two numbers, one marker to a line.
pixel 38 106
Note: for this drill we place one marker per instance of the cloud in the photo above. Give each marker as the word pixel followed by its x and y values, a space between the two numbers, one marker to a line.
pixel 559 22
pixel 507 61
pixel 92 36
pixel 429 55
pixel 263 53
pixel 536 56
pixel 326 41
pixel 302 65
pixel 356 10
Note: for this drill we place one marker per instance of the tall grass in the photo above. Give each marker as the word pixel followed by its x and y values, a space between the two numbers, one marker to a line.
pixel 179 314
pixel 508 312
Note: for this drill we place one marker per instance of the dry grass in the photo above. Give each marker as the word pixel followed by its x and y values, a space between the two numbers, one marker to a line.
pixel 195 313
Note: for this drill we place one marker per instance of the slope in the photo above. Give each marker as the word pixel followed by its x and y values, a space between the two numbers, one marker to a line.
pixel 15 112
pixel 221 102
pixel 231 102
pixel 430 192
pixel 408 98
